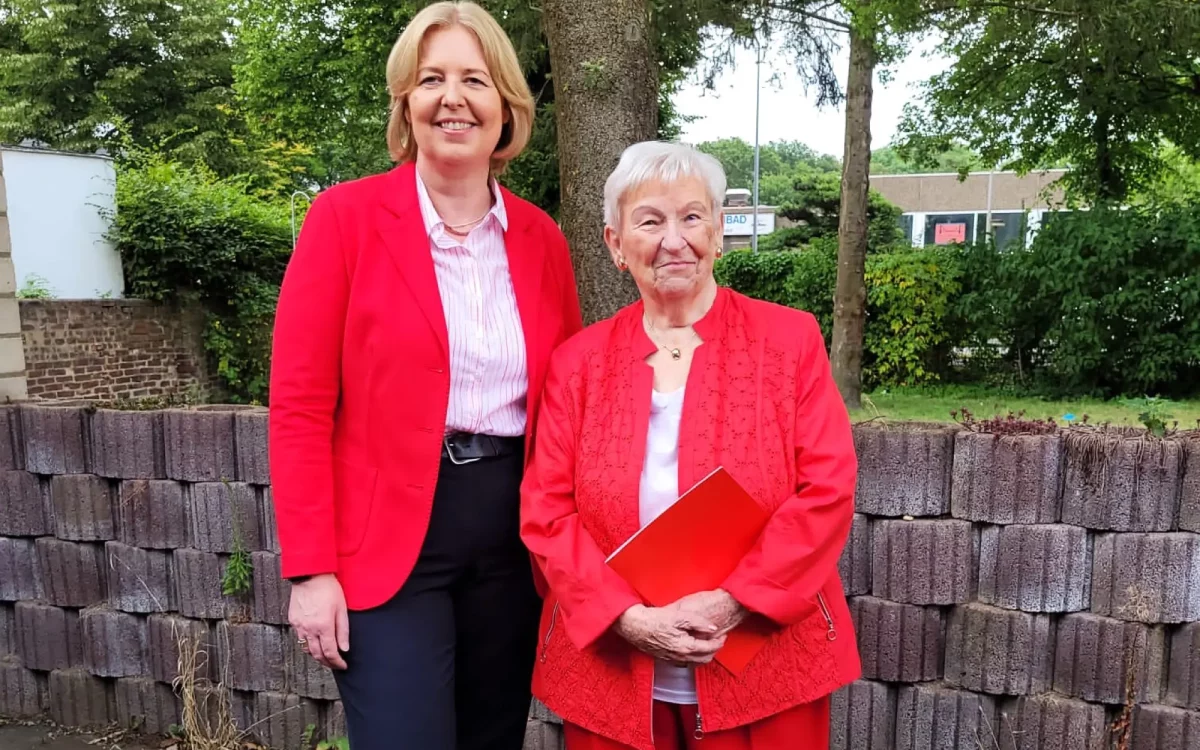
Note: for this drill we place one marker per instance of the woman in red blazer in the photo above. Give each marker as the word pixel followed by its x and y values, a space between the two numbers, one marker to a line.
pixel 636 410
pixel 414 327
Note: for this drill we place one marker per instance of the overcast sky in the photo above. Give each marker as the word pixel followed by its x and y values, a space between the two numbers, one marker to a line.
pixel 787 112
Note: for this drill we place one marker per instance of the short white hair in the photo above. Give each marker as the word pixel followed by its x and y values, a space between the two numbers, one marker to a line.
pixel 661 161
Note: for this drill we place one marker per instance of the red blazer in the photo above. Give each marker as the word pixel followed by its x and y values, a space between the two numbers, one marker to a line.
pixel 360 376
pixel 760 401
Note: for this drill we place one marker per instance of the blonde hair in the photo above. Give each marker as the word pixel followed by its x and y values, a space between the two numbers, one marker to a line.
pixel 501 59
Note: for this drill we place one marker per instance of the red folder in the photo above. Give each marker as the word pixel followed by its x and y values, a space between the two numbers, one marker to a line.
pixel 694 546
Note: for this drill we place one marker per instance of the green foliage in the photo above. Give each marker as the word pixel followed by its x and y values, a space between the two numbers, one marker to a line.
pixel 239 573
pixel 184 234
pixel 908 295
pixel 955 158
pixel 337 743
pixel 1094 84
pixel 35 287
pixel 815 203
pixel 1153 412
pixel 1114 297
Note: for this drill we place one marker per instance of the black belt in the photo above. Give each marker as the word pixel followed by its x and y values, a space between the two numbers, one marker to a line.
pixel 466 447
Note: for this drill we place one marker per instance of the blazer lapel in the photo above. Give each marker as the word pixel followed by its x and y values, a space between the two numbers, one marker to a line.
pixel 526 264
pixel 403 233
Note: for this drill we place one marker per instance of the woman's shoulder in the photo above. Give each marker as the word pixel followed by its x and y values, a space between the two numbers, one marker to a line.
pixel 598 339
pixel 521 210
pixel 780 322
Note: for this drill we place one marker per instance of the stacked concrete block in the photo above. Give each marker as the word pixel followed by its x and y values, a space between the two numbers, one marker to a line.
pixel 56 439
pixel 1122 484
pixel 83 508
pixel 904 471
pixel 280 720
pixel 152 514
pixel 128 444
pixel 12 445
pixel 1189 504
pixel 48 637
pixel 252 656
pixel 1102 660
pixel 80 699
pixel 28 505
pixel 114 643
pixel 1007 479
pixel 146 704
pixel 8 630
pixel 198 579
pixel 305 676
pixel 266 521
pixel 996 604
pixel 1152 578
pixel 1051 722
pixel 74 574
pixel 20 578
pixel 1041 568
pixel 200 445
pixel 1183 673
pixel 250 429
pixel 854 566
pixel 862 716
pixel 23 692
pixel 925 561
pixel 174 643
pixel 999 651
pixel 222 516
pixel 542 736
pixel 934 717
pixel 1164 728
pixel 898 642
pixel 271 593
pixel 140 580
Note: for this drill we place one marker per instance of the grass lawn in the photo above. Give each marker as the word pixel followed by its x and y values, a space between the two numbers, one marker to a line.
pixel 935 405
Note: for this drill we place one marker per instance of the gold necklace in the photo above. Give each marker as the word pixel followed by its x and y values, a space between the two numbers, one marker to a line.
pixel 675 353
pixel 468 223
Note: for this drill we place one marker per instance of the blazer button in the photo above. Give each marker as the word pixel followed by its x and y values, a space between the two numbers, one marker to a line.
pixel 438 370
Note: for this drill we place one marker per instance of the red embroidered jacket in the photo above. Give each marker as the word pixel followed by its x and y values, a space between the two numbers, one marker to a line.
pixel 760 401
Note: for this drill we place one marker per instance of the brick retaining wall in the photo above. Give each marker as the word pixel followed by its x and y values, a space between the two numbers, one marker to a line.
pixel 113 349
pixel 1008 593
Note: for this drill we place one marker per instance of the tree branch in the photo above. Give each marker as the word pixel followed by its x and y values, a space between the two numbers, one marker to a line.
pixel 841 25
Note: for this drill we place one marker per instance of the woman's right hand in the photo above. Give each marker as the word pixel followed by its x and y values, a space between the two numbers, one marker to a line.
pixel 317 612
pixel 670 634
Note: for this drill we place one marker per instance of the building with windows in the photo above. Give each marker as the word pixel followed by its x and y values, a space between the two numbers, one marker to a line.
pixel 740 218
pixel 939 209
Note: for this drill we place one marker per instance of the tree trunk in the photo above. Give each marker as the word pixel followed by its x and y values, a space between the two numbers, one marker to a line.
pixel 850 297
pixel 605 98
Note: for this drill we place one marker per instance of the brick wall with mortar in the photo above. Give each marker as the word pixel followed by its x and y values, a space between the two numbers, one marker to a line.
pixel 12 356
pixel 1032 593
pixel 112 349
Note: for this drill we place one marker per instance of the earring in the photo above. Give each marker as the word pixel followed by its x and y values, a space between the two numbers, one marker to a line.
pixel 720 252
pixel 621 264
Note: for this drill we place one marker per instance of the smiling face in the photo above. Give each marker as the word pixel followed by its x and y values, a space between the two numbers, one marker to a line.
pixel 455 111
pixel 668 237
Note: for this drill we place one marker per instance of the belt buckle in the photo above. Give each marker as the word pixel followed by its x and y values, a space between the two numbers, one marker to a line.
pixel 453 458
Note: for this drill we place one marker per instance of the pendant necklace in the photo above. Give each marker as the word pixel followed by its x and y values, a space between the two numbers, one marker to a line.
pixel 675 352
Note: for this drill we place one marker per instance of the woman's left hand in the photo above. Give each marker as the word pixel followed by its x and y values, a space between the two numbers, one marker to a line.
pixel 718 607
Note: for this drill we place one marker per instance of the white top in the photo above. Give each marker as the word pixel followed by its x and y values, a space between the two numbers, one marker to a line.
pixel 658 491
pixel 488 375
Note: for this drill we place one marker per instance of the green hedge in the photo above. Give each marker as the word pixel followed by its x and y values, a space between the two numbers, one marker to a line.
pixel 1106 302
pixel 185 235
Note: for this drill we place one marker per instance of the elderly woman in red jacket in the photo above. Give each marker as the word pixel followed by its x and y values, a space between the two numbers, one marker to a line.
pixel 636 410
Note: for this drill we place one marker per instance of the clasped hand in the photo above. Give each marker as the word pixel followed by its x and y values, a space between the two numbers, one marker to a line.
pixel 689 631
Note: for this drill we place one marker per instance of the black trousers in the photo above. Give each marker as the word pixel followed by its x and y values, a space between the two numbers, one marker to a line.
pixel 447 663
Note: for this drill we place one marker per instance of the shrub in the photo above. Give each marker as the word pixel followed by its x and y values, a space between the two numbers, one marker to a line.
pixel 185 235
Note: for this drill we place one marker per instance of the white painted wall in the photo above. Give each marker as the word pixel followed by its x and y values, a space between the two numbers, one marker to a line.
pixel 56 210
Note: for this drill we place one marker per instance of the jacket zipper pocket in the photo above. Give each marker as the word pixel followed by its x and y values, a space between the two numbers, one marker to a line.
pixel 831 632
pixel 549 632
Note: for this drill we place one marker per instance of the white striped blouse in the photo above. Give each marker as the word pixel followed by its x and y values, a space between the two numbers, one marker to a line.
pixel 488 376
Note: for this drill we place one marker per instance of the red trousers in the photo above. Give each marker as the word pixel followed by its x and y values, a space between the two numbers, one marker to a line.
pixel 804 727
